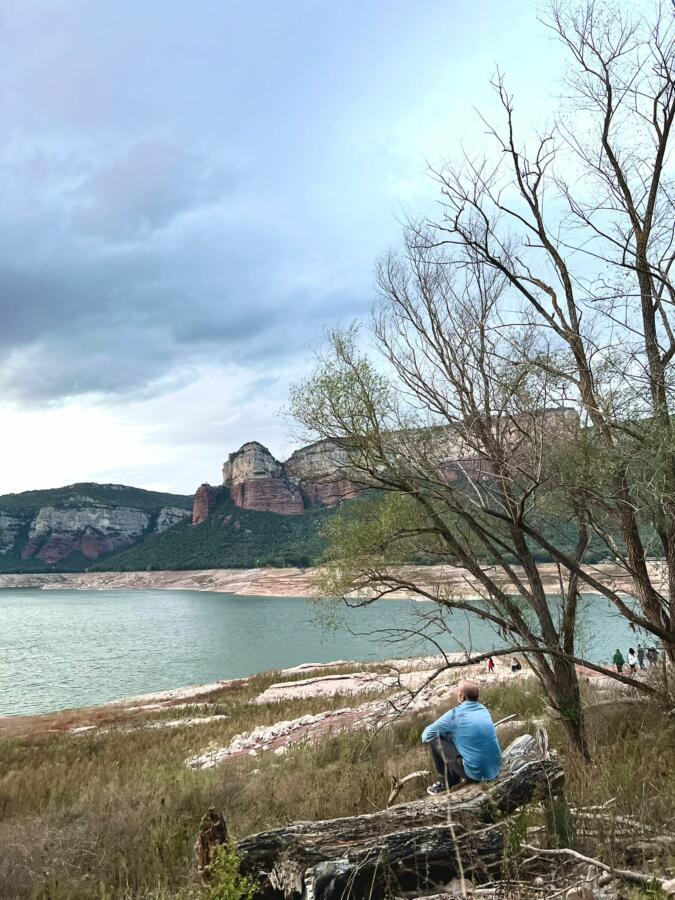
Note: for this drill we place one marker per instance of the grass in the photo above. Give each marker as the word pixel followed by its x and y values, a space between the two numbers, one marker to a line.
pixel 115 815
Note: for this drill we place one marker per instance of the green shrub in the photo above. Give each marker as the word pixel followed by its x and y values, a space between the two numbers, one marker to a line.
pixel 227 882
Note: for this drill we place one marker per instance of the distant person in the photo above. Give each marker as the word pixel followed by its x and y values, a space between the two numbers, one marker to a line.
pixel 463 742
pixel 632 661
pixel 618 660
pixel 652 656
pixel 491 666
pixel 641 656
pixel 515 665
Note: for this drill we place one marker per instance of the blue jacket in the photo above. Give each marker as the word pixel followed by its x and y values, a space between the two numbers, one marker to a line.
pixel 469 726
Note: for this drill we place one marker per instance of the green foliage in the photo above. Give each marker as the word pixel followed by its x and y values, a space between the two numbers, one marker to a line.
pixel 226 881
pixel 558 822
pixel 230 538
pixel 346 395
pixel 516 832
pixel 526 701
pixel 91 494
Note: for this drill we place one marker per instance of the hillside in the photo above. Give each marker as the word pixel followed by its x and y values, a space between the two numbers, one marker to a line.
pixel 65 529
pixel 265 513
pixel 231 537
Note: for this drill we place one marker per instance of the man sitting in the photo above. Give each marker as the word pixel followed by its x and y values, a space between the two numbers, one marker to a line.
pixel 463 742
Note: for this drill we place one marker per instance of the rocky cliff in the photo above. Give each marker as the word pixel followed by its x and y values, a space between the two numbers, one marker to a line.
pixel 205 498
pixel 312 476
pixel 68 526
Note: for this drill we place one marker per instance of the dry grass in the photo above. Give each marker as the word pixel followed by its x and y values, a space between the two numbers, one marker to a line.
pixel 115 815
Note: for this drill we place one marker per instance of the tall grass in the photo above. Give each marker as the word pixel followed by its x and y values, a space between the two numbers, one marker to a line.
pixel 115 815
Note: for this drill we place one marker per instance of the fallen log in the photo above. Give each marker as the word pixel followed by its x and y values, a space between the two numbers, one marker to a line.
pixel 411 846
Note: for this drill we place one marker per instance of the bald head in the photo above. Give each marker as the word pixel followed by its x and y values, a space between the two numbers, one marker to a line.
pixel 467 690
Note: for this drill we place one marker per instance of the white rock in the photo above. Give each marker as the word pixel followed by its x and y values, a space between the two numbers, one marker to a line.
pixel 170 516
pixel 108 520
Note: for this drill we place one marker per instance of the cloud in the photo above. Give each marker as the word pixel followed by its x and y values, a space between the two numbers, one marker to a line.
pixel 188 200
pixel 144 190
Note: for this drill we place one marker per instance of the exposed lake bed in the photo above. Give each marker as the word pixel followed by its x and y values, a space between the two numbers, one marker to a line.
pixel 297 582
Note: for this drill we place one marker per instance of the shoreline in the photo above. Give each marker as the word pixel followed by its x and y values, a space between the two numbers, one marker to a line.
pixel 291 582
pixel 305 681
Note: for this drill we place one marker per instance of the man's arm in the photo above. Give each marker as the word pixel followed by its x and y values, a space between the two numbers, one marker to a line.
pixel 442 726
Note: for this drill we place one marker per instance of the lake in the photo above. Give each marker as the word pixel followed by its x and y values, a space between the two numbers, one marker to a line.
pixel 61 649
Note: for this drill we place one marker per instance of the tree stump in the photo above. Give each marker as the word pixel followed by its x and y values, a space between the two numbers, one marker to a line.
pixel 212 834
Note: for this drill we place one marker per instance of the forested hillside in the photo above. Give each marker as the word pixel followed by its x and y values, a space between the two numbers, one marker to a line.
pixel 231 537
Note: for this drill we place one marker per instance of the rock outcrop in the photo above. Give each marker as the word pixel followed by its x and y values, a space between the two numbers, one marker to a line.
pixel 312 476
pixel 170 516
pixel 56 533
pixel 320 471
pixel 81 520
pixel 10 527
pixel 205 498
pixel 256 480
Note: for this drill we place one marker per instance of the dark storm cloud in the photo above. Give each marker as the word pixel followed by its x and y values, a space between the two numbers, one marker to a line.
pixel 181 183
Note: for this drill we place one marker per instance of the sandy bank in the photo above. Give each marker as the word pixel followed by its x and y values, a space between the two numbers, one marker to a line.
pixel 286 582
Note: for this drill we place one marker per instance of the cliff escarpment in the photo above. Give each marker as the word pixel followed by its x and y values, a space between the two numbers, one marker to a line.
pixel 311 476
pixel 70 527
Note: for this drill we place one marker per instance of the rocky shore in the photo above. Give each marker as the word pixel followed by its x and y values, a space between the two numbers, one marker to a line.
pixel 289 582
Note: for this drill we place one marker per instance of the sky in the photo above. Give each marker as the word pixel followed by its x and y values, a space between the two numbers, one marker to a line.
pixel 191 193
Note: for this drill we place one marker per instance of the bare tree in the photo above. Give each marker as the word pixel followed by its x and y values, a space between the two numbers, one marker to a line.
pixel 580 224
pixel 528 345
pixel 455 441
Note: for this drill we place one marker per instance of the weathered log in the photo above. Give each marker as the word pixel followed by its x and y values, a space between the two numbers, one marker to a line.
pixel 411 846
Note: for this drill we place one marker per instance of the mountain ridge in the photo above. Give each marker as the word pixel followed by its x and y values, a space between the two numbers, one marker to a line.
pixel 244 522
pixel 66 528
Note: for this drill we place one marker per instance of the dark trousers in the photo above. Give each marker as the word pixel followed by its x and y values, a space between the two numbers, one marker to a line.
pixel 448 762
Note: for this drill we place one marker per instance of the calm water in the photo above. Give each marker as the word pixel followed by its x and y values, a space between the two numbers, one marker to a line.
pixel 62 649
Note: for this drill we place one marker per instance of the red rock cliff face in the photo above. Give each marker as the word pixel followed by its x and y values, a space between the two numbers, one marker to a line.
pixel 258 481
pixel 320 471
pixel 268 495
pixel 328 493
pixel 312 476
pixel 203 503
pixel 59 545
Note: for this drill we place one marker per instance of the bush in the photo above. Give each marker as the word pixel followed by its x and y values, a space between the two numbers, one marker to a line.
pixel 227 882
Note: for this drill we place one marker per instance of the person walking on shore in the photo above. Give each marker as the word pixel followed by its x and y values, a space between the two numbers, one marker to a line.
pixel 491 666
pixel 632 661
pixel 641 656
pixel 463 742
pixel 618 660
pixel 652 656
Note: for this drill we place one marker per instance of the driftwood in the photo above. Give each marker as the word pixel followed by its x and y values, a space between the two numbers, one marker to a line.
pixel 419 845
pixel 624 874
pixel 397 784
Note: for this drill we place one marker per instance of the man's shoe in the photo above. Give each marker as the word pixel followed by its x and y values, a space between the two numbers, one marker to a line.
pixel 437 788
